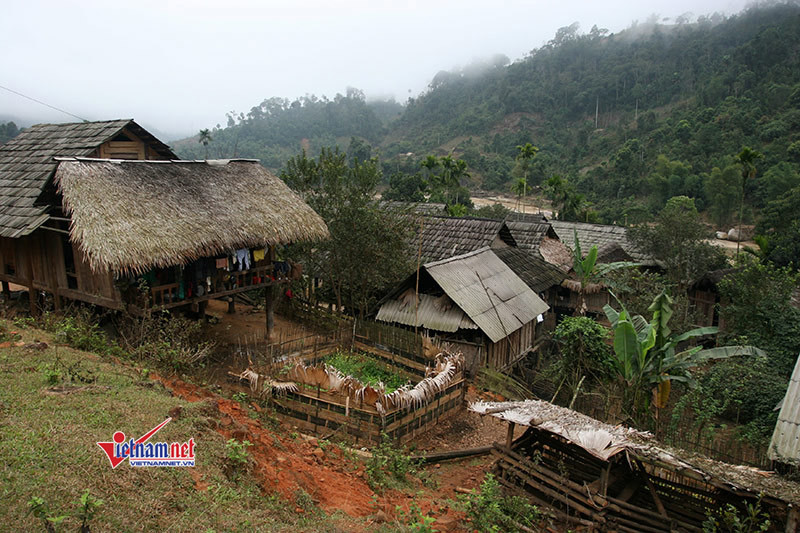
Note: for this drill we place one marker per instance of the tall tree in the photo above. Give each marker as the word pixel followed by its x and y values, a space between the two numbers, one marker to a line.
pixel 367 251
pixel 678 241
pixel 747 161
pixel 204 138
pixel 526 153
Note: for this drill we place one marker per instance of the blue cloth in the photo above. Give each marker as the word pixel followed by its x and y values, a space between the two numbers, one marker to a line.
pixel 243 258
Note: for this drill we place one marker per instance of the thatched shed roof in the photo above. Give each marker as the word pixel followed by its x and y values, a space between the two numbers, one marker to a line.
pixel 488 291
pixel 27 163
pixel 429 313
pixel 605 441
pixel 537 273
pixel 134 215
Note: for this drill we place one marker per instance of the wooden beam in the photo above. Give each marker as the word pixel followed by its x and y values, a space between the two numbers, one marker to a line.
pixel 269 298
pixel 510 435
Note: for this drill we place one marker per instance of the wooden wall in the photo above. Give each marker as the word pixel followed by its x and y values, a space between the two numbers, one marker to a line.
pixel 37 262
pixel 501 355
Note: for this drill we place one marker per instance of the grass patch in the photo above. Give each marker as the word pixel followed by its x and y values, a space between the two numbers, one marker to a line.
pixel 48 452
pixel 368 370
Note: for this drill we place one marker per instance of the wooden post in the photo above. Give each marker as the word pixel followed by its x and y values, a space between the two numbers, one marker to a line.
pixel 510 435
pixel 6 292
pixel 269 298
pixel 231 305
pixel 793 520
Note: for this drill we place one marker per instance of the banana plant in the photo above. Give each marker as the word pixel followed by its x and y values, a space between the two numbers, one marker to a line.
pixel 647 355
pixel 587 270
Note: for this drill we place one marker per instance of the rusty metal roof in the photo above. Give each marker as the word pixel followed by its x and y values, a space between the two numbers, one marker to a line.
pixel 785 443
pixel 488 291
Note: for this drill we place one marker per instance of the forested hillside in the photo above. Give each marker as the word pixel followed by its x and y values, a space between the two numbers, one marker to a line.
pixel 625 120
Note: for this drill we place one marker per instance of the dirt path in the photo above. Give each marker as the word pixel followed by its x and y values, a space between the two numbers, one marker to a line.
pixel 285 462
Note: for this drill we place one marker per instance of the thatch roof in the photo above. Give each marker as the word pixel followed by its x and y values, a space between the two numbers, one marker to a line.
pixel 556 253
pixel 605 441
pixel 134 215
pixel 537 273
pixel 27 163
pixel 599 235
pixel 444 237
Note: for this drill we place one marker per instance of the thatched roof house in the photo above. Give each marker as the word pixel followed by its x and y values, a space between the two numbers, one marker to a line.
pixel 80 228
pixel 131 216
pixel 618 478
pixel 473 299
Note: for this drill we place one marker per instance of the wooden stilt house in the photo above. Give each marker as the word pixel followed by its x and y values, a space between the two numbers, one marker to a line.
pixel 138 235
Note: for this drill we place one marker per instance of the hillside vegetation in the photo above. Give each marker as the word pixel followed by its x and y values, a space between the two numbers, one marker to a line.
pixel 627 120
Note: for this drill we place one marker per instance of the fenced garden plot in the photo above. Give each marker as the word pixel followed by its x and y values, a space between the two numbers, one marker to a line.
pixel 320 399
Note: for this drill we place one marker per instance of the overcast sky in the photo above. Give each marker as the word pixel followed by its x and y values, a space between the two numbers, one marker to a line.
pixel 177 67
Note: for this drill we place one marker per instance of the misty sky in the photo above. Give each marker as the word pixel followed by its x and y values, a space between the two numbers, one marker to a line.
pixel 177 67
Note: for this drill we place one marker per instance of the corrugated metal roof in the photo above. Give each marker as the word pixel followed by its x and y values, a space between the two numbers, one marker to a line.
pixel 26 164
pixel 488 291
pixel 429 314
pixel 785 443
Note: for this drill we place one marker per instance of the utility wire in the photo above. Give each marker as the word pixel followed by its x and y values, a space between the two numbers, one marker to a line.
pixel 42 103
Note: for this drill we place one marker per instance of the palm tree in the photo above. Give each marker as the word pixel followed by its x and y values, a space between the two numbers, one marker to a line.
pixel 459 171
pixel 527 153
pixel 430 164
pixel 205 138
pixel 519 188
pixel 747 160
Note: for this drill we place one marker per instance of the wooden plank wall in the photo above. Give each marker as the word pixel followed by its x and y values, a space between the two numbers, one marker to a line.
pixel 38 262
pixel 501 355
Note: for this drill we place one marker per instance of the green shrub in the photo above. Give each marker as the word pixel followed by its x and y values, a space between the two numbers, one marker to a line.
pixel 731 520
pixel 388 466
pixel 491 511
pixel 415 520
pixel 237 457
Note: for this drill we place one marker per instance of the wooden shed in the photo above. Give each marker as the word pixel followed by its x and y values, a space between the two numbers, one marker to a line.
pixel 138 235
pixel 613 478
pixel 474 301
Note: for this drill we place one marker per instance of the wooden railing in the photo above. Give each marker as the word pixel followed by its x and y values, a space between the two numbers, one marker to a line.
pixel 168 295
